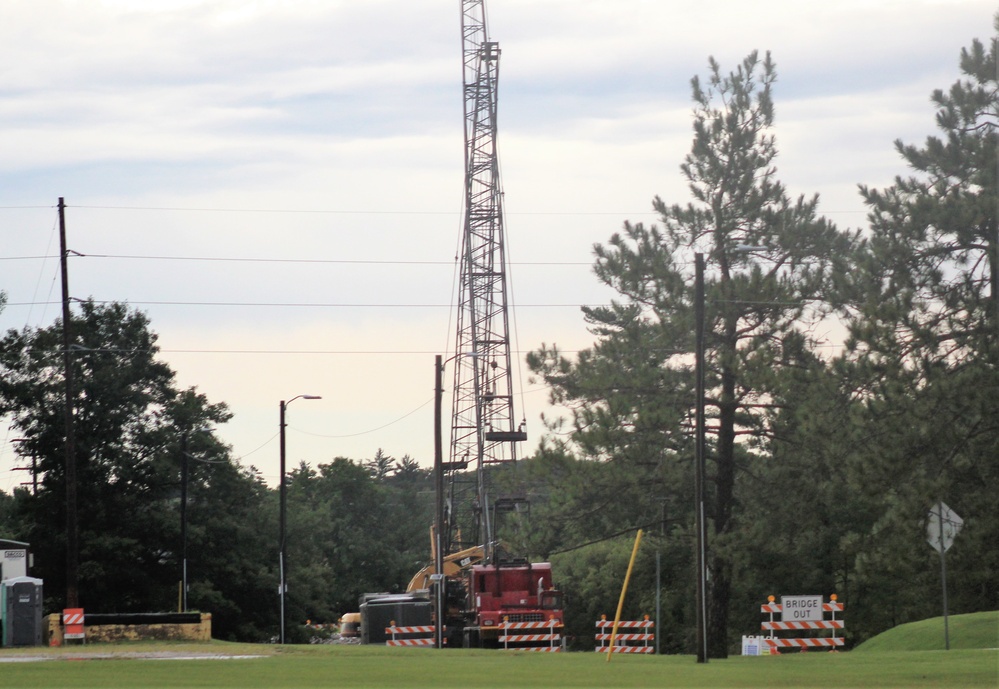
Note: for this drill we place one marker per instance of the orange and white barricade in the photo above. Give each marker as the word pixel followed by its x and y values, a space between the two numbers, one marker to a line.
pixel 421 635
pixel 542 637
pixel 802 613
pixel 72 624
pixel 625 642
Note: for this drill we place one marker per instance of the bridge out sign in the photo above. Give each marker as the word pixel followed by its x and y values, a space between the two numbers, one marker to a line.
pixel 801 608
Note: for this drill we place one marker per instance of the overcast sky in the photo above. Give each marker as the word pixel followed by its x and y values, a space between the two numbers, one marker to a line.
pixel 277 184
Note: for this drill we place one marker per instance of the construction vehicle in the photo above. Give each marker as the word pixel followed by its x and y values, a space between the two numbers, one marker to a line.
pixel 478 591
pixel 454 564
pixel 484 602
pixel 508 596
pixel 350 625
pixel 482 587
pixel 481 600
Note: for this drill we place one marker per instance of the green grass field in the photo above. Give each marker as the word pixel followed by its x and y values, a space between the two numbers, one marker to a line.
pixel 353 666
pixel 978 630
pixel 887 663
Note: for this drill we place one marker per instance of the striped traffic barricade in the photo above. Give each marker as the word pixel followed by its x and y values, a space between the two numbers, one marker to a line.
pixel 802 613
pixel 419 635
pixel 804 643
pixel 72 624
pixel 627 641
pixel 542 637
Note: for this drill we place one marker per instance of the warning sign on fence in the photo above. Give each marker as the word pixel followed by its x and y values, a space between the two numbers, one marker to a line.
pixel 797 613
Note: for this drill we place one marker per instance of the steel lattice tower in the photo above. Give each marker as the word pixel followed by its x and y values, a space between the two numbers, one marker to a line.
pixel 482 429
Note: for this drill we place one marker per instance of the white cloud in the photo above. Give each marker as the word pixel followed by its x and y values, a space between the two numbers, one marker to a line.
pixel 343 106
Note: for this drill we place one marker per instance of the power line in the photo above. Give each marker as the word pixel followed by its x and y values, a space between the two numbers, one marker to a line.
pixel 329 211
pixel 317 305
pixel 372 430
pixel 609 537
pixel 233 259
pixel 296 352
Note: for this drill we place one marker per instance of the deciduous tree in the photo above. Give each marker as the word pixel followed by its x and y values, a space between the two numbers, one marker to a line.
pixel 130 422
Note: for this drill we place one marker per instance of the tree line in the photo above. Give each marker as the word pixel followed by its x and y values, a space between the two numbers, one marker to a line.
pixel 353 526
pixel 822 462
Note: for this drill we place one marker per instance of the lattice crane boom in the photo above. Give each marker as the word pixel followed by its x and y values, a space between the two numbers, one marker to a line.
pixel 483 428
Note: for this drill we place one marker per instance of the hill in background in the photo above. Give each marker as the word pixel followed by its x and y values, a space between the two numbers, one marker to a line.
pixel 967 632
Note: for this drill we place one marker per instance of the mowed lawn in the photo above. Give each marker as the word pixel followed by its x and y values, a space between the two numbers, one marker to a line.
pixel 376 666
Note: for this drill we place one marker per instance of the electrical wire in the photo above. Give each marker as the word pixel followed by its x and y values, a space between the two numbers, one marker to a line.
pixel 318 305
pixel 258 449
pixel 304 211
pixel 321 261
pixel 53 233
pixel 609 537
pixel 372 430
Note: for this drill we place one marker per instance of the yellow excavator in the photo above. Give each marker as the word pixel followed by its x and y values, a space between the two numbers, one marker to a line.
pixel 453 564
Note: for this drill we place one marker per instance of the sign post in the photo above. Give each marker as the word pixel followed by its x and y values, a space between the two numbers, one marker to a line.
pixel 942 526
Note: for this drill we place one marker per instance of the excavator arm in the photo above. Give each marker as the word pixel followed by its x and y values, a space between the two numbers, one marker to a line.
pixel 453 564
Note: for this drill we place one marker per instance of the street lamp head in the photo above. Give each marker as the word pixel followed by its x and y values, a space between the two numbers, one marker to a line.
pixel 300 397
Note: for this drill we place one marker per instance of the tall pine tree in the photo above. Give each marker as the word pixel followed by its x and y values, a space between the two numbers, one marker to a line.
pixel 771 263
pixel 925 345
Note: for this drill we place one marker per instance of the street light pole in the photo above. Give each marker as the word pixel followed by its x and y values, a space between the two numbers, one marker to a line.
pixel 183 521
pixel 702 607
pixel 184 479
pixel 282 550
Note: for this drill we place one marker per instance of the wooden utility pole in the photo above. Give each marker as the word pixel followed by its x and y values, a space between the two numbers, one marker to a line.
pixel 702 606
pixel 440 590
pixel 72 523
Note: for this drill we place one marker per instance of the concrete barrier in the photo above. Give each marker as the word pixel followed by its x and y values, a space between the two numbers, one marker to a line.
pixel 192 626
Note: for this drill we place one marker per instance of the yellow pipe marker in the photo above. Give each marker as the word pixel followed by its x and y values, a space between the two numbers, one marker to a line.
pixel 624 591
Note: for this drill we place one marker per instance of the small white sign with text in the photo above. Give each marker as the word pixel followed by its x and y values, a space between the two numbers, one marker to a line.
pixel 801 608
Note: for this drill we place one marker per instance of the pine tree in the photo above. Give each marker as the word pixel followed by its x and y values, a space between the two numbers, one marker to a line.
pixel 925 340
pixel 771 261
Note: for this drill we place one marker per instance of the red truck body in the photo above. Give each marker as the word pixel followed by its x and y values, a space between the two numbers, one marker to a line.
pixel 519 592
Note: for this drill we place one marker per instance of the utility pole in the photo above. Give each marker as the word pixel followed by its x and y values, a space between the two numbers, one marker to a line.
pixel 702 606
pixel 439 503
pixel 33 468
pixel 72 524
pixel 183 521
pixel 659 577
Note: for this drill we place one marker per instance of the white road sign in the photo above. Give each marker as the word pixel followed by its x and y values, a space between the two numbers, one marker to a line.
pixel 942 525
pixel 801 608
